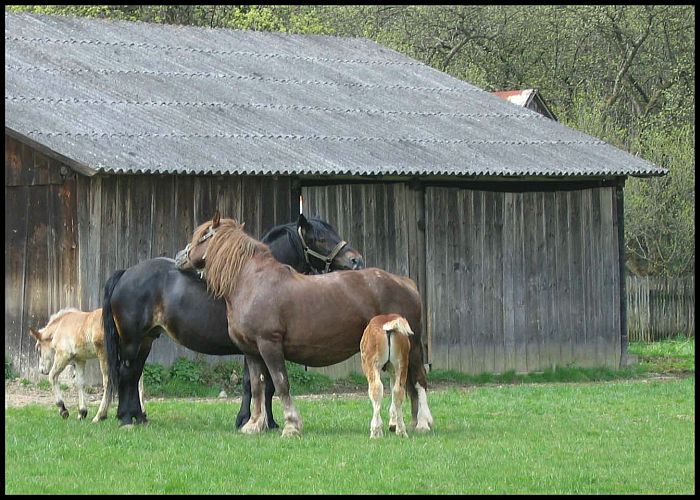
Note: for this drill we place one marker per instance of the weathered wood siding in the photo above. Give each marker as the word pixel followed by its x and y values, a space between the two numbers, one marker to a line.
pixel 66 234
pixel 521 280
pixel 384 222
pixel 41 254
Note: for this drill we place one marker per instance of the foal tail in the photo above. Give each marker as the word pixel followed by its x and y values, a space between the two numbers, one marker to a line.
pixel 399 325
pixel 111 335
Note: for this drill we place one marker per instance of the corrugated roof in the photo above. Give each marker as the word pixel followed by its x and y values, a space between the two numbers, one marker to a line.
pixel 124 97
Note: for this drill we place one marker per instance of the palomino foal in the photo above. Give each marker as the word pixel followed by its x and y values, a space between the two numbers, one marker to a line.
pixel 385 346
pixel 74 336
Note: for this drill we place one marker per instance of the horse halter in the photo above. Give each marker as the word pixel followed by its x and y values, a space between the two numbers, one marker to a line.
pixel 210 232
pixel 328 259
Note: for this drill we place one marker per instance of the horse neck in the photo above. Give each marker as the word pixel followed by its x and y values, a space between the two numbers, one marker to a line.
pixel 285 246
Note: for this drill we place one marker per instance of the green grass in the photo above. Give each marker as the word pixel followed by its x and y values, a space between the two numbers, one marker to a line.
pixel 614 437
pixel 666 356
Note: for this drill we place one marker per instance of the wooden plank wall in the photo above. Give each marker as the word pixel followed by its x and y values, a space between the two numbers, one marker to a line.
pixel 66 233
pixel 522 281
pixel 41 248
pixel 382 221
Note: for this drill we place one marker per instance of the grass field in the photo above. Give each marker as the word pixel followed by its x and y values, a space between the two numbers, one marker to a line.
pixel 612 437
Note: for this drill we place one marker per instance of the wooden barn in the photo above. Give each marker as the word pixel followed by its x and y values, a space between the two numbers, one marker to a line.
pixel 121 137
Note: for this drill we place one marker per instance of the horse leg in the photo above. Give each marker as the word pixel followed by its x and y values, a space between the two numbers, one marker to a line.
pixel 421 418
pixel 397 395
pixel 80 384
pixel 244 412
pixel 269 392
pixel 258 420
pixel 104 404
pixel 141 401
pixel 392 409
pixel 59 363
pixel 133 359
pixel 375 389
pixel 273 356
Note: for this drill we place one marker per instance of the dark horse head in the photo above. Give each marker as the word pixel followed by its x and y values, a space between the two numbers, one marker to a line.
pixel 310 246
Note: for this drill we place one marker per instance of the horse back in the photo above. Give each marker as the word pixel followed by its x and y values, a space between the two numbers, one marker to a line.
pixel 80 334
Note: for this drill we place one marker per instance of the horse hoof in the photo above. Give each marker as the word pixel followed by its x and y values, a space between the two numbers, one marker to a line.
pixel 376 433
pixel 290 431
pixel 423 427
pixel 272 425
pixel 64 414
pixel 250 428
pixel 402 434
pixel 392 427
pixel 82 414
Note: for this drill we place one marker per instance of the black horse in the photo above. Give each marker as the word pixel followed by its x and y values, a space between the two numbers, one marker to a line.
pixel 152 297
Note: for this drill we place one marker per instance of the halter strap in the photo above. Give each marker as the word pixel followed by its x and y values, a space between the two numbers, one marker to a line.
pixel 210 232
pixel 328 259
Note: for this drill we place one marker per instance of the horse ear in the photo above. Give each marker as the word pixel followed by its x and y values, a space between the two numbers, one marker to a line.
pixel 34 333
pixel 216 220
pixel 301 221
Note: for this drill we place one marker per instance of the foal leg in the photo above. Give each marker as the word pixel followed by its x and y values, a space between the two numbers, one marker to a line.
pixel 392 408
pixel 417 386
pixel 376 392
pixel 141 401
pixel 104 404
pixel 273 356
pixel 398 391
pixel 80 384
pixel 258 420
pixel 59 363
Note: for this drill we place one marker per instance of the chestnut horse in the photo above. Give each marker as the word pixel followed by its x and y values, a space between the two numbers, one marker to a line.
pixel 385 345
pixel 153 297
pixel 275 313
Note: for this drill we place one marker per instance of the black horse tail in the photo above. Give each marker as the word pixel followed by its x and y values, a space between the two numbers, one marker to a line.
pixel 111 335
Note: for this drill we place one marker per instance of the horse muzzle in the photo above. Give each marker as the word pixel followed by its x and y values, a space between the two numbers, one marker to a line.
pixel 181 258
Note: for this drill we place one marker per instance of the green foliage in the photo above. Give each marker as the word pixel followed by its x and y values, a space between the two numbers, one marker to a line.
pixel 44 384
pixel 154 374
pixel 9 371
pixel 186 370
pixel 302 381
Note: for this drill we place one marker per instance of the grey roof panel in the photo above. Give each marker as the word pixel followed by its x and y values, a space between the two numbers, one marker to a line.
pixel 124 97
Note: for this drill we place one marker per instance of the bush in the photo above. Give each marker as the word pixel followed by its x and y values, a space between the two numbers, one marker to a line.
pixel 186 370
pixel 154 374
pixel 227 375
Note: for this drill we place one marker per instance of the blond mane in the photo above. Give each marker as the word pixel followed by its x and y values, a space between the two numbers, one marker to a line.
pixel 229 249
pixel 58 315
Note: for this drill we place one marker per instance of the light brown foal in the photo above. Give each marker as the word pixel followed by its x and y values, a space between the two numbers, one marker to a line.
pixel 385 346
pixel 74 336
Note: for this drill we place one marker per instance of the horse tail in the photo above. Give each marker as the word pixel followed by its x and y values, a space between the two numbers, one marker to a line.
pixel 399 325
pixel 111 335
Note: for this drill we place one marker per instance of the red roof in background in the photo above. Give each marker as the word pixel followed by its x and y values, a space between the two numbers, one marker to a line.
pixel 505 94
pixel 528 98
